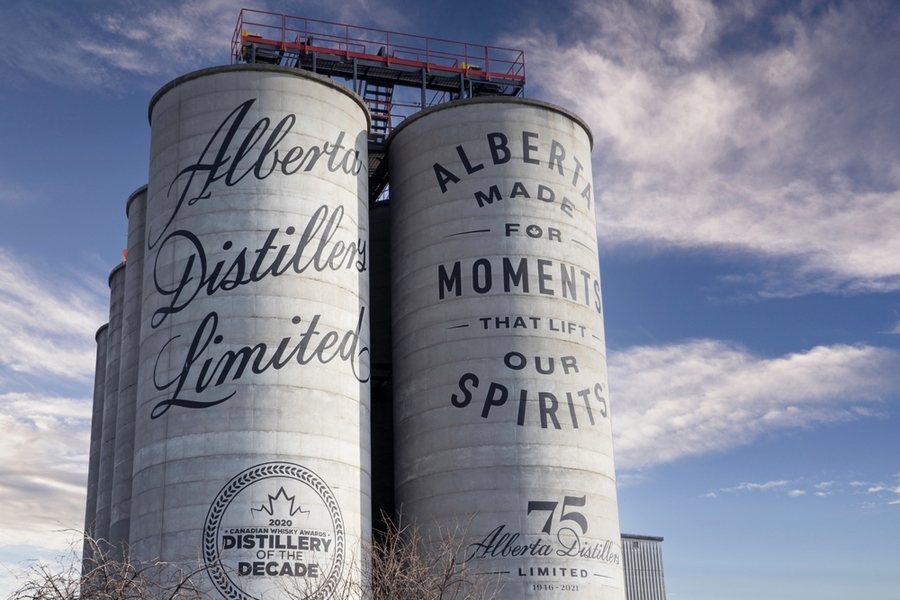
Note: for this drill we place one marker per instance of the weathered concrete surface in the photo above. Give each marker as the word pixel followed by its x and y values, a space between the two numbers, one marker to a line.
pixel 90 509
pixel 501 408
pixel 110 403
pixel 253 392
pixel 120 519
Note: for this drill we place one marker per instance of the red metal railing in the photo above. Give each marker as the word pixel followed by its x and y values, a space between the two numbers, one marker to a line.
pixel 300 35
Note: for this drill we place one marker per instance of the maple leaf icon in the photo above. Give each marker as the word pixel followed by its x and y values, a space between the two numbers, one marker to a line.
pixel 270 509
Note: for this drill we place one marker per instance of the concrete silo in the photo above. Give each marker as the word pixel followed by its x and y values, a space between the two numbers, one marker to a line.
pixel 252 421
pixel 110 405
pixel 238 387
pixel 90 511
pixel 501 411
pixel 120 512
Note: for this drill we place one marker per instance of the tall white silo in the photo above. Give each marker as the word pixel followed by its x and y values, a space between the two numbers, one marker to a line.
pixel 120 513
pixel 90 510
pixel 252 422
pixel 110 404
pixel 501 408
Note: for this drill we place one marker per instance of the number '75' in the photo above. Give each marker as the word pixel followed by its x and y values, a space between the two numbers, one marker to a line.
pixel 577 517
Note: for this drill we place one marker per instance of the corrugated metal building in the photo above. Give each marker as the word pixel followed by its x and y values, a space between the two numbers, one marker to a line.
pixel 642 557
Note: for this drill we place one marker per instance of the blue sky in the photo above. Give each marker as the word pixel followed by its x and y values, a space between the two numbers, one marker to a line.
pixel 747 171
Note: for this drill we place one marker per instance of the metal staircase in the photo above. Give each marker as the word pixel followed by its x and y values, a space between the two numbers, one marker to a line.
pixel 379 99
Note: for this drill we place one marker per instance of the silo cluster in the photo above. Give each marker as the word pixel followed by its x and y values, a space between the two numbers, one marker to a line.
pixel 235 413
pixel 252 405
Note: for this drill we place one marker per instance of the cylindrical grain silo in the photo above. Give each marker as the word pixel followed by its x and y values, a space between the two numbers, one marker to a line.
pixel 110 404
pixel 252 423
pixel 120 519
pixel 500 386
pixel 90 510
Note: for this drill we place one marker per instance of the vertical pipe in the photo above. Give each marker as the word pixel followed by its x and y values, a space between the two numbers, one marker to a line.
pixel 424 88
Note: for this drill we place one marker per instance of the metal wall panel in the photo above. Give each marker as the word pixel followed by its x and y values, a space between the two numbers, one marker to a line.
pixel 643 568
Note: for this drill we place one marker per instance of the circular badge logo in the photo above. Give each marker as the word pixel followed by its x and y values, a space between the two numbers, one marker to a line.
pixel 275 526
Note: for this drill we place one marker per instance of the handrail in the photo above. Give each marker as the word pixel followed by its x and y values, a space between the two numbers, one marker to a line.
pixel 301 34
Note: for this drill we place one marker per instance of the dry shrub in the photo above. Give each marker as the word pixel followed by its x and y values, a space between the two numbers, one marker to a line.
pixel 402 563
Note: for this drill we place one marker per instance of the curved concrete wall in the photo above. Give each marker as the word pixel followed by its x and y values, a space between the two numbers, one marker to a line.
pixel 110 403
pixel 501 408
pixel 90 511
pixel 120 519
pixel 252 423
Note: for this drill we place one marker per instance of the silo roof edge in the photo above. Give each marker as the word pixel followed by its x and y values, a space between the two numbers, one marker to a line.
pixel 491 100
pixel 256 67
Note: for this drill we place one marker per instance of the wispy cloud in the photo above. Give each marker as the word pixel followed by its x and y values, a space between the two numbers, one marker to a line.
pixel 825 488
pixel 13 193
pixel 83 45
pixel 878 494
pixel 891 491
pixel 43 467
pixel 706 396
pixel 779 485
pixel 75 43
pixel 47 324
pixel 48 321
pixel 896 329
pixel 788 147
pixel 755 487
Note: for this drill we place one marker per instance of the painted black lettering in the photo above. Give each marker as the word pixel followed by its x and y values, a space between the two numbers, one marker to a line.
pixel 467 378
pixel 481 283
pixel 515 277
pixel 448 282
pixel 527 148
pixel 444 177
pixel 493 194
pixel 499 147
pixel 557 155
pixel 465 161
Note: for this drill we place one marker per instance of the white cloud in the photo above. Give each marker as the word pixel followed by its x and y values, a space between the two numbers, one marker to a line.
pixel 881 493
pixel 79 44
pixel 896 329
pixel 43 468
pixel 825 488
pixel 704 396
pixel 884 491
pixel 786 150
pixel 14 193
pixel 75 43
pixel 48 321
pixel 754 487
